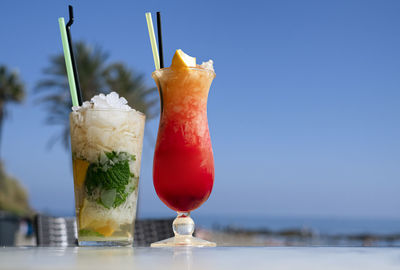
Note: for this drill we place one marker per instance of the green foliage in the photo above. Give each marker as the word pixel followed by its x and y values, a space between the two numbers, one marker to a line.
pixel 95 76
pixel 12 90
pixel 11 87
pixel 13 197
pixel 109 180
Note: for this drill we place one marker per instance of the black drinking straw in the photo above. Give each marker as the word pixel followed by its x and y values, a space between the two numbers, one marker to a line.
pixel 76 76
pixel 161 56
pixel 160 47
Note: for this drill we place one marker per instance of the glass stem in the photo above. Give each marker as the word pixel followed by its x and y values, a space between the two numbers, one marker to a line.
pixel 183 225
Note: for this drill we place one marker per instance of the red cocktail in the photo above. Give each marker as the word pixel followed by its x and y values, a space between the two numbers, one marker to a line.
pixel 183 168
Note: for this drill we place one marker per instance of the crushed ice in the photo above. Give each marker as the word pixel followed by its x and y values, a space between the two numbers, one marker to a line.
pixel 101 101
pixel 208 65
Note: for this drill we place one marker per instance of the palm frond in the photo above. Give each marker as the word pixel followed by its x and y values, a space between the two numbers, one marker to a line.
pixel 95 77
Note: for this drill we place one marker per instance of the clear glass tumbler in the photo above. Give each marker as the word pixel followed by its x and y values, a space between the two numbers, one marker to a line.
pixel 106 149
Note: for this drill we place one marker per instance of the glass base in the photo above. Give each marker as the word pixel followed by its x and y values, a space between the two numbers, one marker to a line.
pixel 117 243
pixel 183 227
pixel 183 241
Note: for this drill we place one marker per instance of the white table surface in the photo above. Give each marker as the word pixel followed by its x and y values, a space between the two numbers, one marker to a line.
pixel 268 258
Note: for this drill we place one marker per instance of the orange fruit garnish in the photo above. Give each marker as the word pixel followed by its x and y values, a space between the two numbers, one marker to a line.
pixel 182 60
pixel 106 230
pixel 80 167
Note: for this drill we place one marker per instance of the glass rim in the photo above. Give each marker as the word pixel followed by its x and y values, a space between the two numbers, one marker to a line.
pixel 110 109
pixel 190 68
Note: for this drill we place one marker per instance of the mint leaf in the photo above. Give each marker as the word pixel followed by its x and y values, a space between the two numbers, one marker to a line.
pixel 111 155
pixel 87 232
pixel 107 180
pixel 108 197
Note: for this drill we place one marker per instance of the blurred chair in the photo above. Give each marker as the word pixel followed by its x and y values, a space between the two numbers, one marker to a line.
pixel 60 231
pixel 148 231
pixel 55 231
pixel 9 224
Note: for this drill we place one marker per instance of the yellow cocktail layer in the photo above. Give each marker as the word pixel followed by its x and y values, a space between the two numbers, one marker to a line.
pixel 184 90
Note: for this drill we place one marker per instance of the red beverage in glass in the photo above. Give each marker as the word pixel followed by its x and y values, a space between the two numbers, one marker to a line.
pixel 183 168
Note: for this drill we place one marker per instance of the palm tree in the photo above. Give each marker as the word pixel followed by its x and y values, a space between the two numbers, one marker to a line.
pixel 12 90
pixel 95 77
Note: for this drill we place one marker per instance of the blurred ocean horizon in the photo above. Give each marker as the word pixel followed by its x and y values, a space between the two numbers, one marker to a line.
pixel 317 225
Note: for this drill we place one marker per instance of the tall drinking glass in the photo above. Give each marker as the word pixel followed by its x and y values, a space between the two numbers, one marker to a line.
pixel 183 167
pixel 106 152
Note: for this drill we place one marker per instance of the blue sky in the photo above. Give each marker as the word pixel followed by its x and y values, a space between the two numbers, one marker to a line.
pixel 303 113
